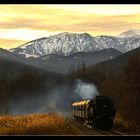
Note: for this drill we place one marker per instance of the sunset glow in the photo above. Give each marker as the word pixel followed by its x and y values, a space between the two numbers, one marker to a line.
pixel 21 23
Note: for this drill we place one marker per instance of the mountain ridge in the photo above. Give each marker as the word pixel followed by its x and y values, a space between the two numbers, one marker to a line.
pixel 61 64
pixel 69 43
pixel 130 33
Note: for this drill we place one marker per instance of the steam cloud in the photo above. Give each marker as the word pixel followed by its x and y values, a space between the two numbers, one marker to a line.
pixel 86 90
pixel 58 99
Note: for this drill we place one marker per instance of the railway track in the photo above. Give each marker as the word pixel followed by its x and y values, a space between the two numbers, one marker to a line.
pixel 110 132
pixel 119 133
pixel 95 131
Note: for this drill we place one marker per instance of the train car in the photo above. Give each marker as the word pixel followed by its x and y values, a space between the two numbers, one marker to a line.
pixel 97 112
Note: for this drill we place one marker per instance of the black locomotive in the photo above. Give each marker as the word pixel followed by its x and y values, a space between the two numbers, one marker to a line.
pixel 97 112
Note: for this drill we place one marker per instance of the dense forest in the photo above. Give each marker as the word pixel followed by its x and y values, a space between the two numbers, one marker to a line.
pixel 28 83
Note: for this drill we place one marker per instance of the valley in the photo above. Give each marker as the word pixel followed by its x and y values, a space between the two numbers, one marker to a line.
pixel 48 82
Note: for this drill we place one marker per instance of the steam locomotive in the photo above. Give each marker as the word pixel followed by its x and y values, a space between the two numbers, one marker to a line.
pixel 98 112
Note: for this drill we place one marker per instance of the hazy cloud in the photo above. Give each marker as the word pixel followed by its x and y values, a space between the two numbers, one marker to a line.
pixel 10 43
pixel 50 19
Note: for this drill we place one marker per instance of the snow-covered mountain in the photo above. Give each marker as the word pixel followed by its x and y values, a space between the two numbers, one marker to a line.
pixel 69 43
pixel 62 44
pixel 130 33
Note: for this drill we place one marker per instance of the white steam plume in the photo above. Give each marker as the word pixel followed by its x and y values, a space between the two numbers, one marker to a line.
pixel 59 99
pixel 86 90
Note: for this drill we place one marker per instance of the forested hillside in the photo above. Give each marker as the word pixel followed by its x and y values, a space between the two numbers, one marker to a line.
pixel 118 78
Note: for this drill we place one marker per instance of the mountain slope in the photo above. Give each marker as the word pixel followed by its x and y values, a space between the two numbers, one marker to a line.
pixel 115 66
pixel 62 64
pixel 54 62
pixel 63 44
pixel 13 65
pixel 130 33
pixel 16 58
pixel 69 43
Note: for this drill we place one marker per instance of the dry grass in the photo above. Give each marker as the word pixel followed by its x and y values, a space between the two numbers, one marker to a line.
pixel 126 126
pixel 118 122
pixel 38 124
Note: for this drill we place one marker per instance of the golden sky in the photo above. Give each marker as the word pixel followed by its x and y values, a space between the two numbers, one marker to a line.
pixel 20 23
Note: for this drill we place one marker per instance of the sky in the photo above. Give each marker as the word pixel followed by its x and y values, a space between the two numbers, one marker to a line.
pixel 21 23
